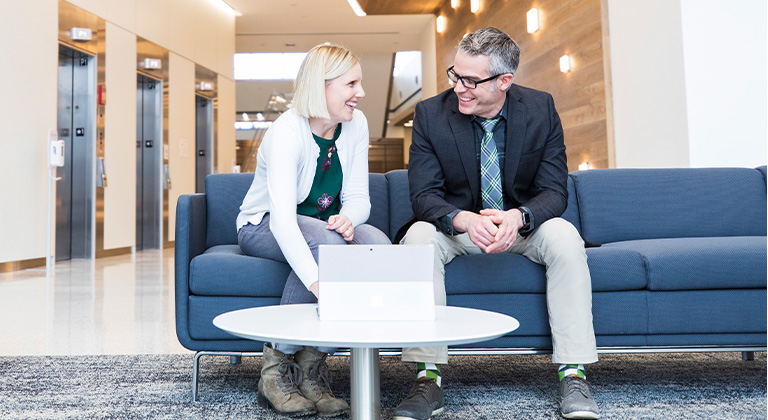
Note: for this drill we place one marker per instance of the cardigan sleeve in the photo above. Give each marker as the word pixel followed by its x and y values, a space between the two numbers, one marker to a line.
pixel 355 199
pixel 284 157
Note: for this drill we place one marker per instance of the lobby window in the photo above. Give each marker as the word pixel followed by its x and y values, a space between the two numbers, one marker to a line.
pixel 267 66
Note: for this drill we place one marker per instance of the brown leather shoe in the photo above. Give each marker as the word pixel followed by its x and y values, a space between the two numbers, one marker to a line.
pixel 279 385
pixel 317 383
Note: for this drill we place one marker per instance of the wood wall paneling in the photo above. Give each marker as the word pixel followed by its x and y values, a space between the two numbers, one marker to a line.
pixel 572 27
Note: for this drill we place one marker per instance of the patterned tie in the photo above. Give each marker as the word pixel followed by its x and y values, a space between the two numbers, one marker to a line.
pixel 490 173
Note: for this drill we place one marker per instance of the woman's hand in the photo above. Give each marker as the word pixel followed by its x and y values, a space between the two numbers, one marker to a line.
pixel 341 225
pixel 314 288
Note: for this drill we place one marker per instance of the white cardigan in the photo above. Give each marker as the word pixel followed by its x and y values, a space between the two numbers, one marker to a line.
pixel 285 168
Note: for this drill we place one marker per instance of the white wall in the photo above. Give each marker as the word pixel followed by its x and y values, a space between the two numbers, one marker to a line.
pixel 225 152
pixel 649 99
pixel 689 84
pixel 724 45
pixel 26 113
pixel 120 139
pixel 181 133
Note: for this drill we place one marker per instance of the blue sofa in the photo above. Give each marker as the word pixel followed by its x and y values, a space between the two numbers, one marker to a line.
pixel 681 266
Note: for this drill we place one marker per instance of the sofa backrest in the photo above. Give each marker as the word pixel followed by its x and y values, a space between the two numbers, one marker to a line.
pixel 400 209
pixel 224 194
pixel 629 204
pixel 378 190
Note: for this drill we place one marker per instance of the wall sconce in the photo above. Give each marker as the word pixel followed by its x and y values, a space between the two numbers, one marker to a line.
pixel 533 20
pixel 454 4
pixel 440 24
pixel 584 166
pixel 565 64
pixel 474 6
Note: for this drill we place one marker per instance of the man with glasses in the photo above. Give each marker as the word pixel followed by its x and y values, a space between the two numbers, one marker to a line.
pixel 487 174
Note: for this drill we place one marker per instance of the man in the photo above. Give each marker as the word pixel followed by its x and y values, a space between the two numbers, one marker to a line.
pixel 488 174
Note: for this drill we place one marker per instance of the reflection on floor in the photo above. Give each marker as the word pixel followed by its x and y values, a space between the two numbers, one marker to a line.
pixel 113 305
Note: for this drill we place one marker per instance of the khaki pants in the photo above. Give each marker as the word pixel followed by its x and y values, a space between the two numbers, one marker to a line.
pixel 556 244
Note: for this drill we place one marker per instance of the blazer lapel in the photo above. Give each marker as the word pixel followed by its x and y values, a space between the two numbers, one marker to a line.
pixel 515 137
pixel 461 127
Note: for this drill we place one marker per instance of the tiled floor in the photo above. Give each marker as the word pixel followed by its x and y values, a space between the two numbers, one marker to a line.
pixel 113 305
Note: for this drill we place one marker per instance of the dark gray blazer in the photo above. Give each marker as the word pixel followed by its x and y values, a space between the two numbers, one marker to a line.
pixel 443 171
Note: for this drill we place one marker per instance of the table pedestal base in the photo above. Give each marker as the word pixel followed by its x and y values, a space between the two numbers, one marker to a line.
pixel 364 384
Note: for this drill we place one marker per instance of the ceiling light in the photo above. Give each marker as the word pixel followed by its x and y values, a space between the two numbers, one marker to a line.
pixel 533 20
pixel 454 3
pixel 440 24
pixel 356 7
pixel 474 6
pixel 565 64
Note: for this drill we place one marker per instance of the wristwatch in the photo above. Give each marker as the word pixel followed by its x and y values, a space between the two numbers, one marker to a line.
pixel 526 219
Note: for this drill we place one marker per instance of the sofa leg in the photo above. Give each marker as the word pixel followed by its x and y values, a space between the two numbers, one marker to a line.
pixel 747 355
pixel 234 358
pixel 195 370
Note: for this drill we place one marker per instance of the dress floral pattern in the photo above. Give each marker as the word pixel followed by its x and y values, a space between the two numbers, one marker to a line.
pixel 323 203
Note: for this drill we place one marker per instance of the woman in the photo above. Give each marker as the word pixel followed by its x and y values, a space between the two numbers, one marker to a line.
pixel 310 188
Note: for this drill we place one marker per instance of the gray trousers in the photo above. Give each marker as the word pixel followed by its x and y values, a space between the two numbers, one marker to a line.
pixel 557 245
pixel 258 241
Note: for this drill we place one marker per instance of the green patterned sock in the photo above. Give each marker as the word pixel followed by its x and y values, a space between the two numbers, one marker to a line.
pixel 571 370
pixel 429 370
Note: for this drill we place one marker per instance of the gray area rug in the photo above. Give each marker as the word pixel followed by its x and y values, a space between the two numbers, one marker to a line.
pixel 644 386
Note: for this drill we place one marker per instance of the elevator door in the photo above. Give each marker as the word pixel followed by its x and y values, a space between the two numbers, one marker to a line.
pixel 76 125
pixel 149 158
pixel 203 141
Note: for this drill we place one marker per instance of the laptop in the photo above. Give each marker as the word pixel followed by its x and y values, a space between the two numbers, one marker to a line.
pixel 376 283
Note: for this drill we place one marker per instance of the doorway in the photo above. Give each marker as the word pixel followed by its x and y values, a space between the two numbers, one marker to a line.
pixel 203 141
pixel 75 190
pixel 149 159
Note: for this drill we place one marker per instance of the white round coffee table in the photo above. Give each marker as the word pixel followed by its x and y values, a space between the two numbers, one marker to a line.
pixel 298 324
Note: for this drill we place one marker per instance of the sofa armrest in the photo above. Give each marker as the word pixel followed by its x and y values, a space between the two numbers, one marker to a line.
pixel 190 242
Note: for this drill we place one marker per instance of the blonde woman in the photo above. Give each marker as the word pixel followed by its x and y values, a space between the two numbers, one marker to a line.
pixel 310 188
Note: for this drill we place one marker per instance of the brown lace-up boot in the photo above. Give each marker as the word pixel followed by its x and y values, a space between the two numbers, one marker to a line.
pixel 279 385
pixel 317 383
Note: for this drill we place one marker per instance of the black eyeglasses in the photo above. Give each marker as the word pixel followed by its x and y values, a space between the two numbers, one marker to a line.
pixel 468 83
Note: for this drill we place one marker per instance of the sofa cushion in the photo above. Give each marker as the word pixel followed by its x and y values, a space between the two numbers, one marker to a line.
pixel 624 313
pixel 629 204
pixel 701 263
pixel 377 187
pixel 707 311
pixel 615 269
pixel 610 269
pixel 225 271
pixel 400 209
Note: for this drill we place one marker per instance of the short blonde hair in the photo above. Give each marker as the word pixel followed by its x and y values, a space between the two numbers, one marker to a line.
pixel 322 64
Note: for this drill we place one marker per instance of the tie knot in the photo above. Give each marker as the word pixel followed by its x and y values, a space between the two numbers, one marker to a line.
pixel 489 124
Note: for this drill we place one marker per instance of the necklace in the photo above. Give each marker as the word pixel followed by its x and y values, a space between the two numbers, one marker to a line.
pixel 331 150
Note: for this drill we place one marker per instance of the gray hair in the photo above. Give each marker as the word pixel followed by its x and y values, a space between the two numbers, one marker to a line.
pixel 503 51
